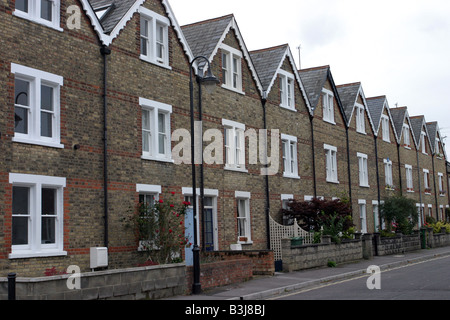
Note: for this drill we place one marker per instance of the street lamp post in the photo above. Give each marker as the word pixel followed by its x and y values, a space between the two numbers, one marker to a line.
pixel 209 81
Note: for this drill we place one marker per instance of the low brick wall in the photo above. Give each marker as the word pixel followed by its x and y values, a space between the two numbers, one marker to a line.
pixel 220 273
pixel 229 267
pixel 263 260
pixel 153 282
pixel 397 244
pixel 318 255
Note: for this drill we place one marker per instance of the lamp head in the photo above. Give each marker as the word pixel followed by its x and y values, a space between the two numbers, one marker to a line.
pixel 209 81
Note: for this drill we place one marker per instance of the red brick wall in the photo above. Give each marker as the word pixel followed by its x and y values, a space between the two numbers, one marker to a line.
pixel 221 273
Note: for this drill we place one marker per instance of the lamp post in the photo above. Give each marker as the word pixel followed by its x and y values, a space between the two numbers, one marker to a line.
pixel 209 81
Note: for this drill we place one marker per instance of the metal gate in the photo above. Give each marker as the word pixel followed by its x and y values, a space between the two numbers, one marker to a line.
pixel 278 232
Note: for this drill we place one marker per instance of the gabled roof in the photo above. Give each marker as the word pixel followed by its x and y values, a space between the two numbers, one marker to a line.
pixel 432 128
pixel 349 93
pixel 205 38
pixel 418 124
pixel 434 132
pixel 399 116
pixel 314 80
pixel 376 106
pixel 118 13
pixel 268 63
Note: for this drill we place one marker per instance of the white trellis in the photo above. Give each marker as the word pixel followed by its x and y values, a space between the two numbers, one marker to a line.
pixel 278 232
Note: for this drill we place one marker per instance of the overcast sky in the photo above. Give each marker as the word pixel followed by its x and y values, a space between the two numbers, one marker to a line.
pixel 396 48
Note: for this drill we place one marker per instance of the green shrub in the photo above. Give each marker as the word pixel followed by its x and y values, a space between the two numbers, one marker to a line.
pixel 323 217
pixel 331 264
pixel 400 212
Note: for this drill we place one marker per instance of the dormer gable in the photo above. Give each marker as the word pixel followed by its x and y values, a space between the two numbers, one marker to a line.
pixel 109 18
pixel 382 118
pixel 437 145
pixel 277 64
pixel 355 106
pixel 322 92
pixel 422 137
pixel 207 38
pixel 403 127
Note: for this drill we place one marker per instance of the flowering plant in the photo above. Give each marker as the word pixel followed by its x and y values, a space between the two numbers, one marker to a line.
pixel 159 228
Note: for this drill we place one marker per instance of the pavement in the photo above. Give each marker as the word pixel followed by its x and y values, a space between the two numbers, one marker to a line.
pixel 264 287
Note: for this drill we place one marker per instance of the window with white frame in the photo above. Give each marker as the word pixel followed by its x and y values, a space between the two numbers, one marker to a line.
pixel 36 106
pixel 331 163
pixel 289 153
pixel 287 90
pixel 231 68
pixel 360 119
pixel 243 216
pixel 406 136
pixel 37 215
pixel 441 184
pixel 154 36
pixel 439 152
pixel 156 142
pixel 148 194
pixel 376 215
pixel 44 12
pixel 385 128
pixel 388 174
pixel 426 181
pixel 363 170
pixel 285 200
pixel 234 145
pixel 409 178
pixel 328 105
pixel 423 143
pixel 363 215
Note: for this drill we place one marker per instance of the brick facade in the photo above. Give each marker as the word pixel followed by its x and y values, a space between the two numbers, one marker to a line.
pixel 69 62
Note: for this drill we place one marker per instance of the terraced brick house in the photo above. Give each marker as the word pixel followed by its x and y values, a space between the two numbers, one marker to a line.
pixel 329 134
pixel 362 171
pixel 425 164
pixel 95 102
pixel 285 98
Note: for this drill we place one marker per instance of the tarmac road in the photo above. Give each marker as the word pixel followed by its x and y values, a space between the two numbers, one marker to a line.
pixel 285 283
pixel 423 280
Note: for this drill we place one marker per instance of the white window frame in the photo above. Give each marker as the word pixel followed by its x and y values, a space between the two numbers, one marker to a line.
pixel 363 170
pixel 363 215
pixel 360 119
pixel 331 163
pixel 388 178
pixel 231 74
pixel 35 248
pixel 406 136
pixel 328 106
pixel 290 158
pixel 376 215
pixel 409 178
pixel 426 181
pixel 154 21
pixel 385 128
pixel 234 138
pixel 287 90
pixel 34 14
pixel 154 190
pixel 423 142
pixel 243 198
pixel 441 184
pixel 155 108
pixel 37 78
